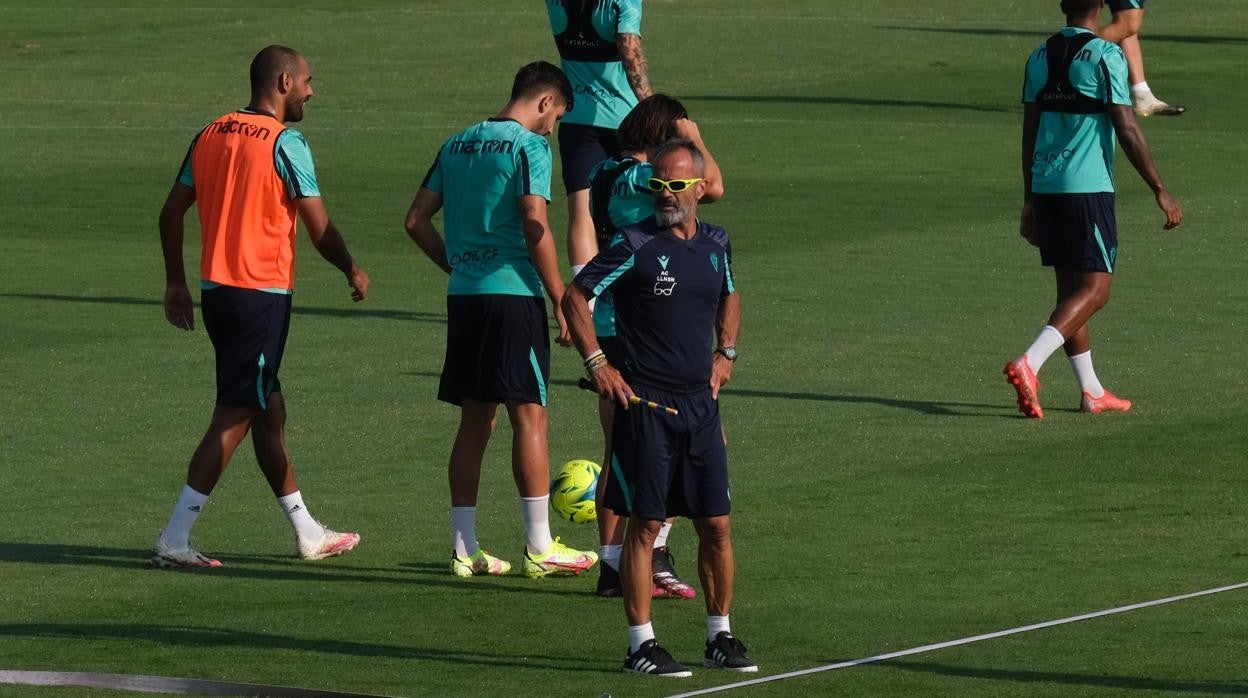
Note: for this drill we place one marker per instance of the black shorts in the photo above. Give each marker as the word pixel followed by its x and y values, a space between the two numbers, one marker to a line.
pixel 1077 231
pixel 580 148
pixel 497 350
pixel 669 465
pixel 1116 6
pixel 248 330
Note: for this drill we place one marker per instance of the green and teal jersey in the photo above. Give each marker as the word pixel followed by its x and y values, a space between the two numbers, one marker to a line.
pixel 1075 151
pixel 629 201
pixel 585 34
pixel 481 173
pixel 292 158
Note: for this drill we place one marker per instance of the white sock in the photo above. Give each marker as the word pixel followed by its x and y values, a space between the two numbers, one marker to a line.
pixel 1086 375
pixel 661 539
pixel 715 625
pixel 1141 86
pixel 610 555
pixel 1047 342
pixel 536 512
pixel 638 634
pixel 177 532
pixel 306 527
pixel 464 530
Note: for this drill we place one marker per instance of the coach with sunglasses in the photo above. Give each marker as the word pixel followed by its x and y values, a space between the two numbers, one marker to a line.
pixel 671 280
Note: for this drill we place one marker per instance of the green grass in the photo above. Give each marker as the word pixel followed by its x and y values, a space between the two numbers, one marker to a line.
pixel 886 494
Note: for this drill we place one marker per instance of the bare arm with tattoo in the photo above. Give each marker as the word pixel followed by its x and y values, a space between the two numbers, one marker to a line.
pixel 635 66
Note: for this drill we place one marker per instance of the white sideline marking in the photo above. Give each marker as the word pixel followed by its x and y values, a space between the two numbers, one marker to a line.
pixel 963 641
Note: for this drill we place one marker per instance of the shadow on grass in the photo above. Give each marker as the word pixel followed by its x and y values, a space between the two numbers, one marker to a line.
pixel 1146 37
pixel 353 312
pixel 205 637
pixel 1130 683
pixel 849 101
pixel 279 569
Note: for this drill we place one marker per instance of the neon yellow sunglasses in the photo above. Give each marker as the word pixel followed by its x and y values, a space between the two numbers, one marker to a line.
pixel 675 186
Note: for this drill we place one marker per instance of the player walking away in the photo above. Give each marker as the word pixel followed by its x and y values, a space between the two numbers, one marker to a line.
pixel 1075 101
pixel 619 196
pixel 250 176
pixel 670 278
pixel 494 179
pixel 1124 29
pixel 599 42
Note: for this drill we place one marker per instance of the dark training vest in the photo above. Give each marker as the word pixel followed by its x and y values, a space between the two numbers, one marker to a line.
pixel 1058 94
pixel 580 41
pixel 600 200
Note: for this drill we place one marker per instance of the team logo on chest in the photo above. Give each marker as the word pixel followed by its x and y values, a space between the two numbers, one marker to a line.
pixel 665 282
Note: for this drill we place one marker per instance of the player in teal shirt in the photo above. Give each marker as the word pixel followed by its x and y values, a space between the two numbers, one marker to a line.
pixel 1075 102
pixel 493 178
pixel 620 195
pixel 599 43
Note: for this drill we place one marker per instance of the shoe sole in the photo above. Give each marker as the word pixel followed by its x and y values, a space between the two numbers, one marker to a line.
pixel 167 564
pixel 557 572
pixel 711 664
pixel 1028 400
pixel 674 675
pixel 1164 111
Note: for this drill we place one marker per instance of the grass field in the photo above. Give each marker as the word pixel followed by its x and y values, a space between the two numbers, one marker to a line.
pixel 886 493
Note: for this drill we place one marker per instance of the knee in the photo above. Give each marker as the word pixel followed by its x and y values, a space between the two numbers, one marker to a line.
pixel 715 532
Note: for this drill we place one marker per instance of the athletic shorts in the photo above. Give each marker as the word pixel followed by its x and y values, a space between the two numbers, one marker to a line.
pixel 669 465
pixel 1077 231
pixel 580 148
pixel 1116 6
pixel 248 330
pixel 497 350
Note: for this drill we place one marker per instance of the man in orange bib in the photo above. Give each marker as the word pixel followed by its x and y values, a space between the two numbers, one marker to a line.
pixel 251 178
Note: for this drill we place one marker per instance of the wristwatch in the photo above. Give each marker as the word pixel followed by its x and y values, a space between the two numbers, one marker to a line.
pixel 729 353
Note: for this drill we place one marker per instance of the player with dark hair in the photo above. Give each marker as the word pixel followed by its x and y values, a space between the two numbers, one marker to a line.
pixel 1075 102
pixel 494 180
pixel 252 178
pixel 1123 29
pixel 599 44
pixel 672 286
pixel 620 195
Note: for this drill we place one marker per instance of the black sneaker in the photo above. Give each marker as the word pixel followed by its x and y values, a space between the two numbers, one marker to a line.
pixel 666 583
pixel 727 652
pixel 608 582
pixel 655 661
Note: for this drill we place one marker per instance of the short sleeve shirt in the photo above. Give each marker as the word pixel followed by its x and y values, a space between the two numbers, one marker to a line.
pixel 292 158
pixel 601 93
pixel 1075 152
pixel 667 293
pixel 481 173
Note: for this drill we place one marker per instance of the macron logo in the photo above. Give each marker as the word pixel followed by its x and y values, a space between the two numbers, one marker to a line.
pixel 663 260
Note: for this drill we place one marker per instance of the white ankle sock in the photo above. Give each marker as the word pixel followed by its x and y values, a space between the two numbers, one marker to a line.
pixel 661 539
pixel 715 625
pixel 1141 87
pixel 306 527
pixel 610 555
pixel 1086 375
pixel 177 532
pixel 638 634
pixel 464 530
pixel 536 512
pixel 1047 342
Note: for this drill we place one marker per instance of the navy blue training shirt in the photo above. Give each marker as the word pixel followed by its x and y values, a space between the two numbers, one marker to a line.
pixel 667 293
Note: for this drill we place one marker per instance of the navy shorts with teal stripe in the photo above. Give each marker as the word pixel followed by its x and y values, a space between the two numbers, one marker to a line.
pixel 669 465
pixel 1077 231
pixel 248 330
pixel 497 349
pixel 1116 6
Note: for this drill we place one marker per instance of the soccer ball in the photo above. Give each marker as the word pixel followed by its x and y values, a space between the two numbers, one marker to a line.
pixel 572 491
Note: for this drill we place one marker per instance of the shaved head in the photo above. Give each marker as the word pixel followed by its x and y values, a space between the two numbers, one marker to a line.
pixel 268 65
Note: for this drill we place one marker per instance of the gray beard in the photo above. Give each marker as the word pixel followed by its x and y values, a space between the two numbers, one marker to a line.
pixel 672 218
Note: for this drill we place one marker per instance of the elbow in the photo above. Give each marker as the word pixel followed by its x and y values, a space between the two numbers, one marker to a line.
pixel 714 192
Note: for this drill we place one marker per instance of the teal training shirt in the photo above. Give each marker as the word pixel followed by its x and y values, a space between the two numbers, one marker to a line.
pixel 292 158
pixel 585 33
pixel 480 173
pixel 630 202
pixel 1075 152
